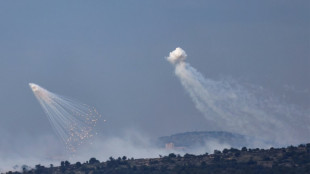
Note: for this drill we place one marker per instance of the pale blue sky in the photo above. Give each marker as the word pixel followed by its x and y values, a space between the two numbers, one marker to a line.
pixel 111 54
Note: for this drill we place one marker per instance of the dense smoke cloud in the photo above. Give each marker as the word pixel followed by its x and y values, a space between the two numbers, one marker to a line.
pixel 242 109
pixel 132 144
pixel 177 56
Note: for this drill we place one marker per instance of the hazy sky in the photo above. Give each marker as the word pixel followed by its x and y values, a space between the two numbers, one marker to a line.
pixel 111 55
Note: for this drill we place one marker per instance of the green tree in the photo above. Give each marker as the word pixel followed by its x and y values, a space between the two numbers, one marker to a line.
pixel 172 155
pixel 78 164
pixel 67 163
pixel 93 161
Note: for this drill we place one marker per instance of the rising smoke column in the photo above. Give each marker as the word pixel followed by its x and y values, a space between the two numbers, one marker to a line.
pixel 233 107
pixel 72 121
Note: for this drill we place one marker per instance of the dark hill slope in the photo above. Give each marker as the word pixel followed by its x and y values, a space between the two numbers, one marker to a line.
pixel 229 161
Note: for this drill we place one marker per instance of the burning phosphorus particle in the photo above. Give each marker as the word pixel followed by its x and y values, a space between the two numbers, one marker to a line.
pixel 71 120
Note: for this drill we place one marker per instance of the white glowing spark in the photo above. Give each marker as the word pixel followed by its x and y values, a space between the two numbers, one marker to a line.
pixel 71 120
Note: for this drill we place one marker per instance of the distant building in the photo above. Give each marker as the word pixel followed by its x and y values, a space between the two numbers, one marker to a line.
pixel 170 146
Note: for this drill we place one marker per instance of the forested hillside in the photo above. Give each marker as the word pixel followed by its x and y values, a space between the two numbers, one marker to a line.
pixel 229 161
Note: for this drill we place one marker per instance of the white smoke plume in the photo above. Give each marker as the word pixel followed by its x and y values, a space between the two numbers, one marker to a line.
pixel 71 120
pixel 132 144
pixel 176 56
pixel 236 108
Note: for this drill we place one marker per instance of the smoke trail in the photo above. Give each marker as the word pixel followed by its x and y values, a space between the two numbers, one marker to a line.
pixel 233 107
pixel 71 120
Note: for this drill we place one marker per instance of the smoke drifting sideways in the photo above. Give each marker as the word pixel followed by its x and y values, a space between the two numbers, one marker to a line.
pixel 132 143
pixel 72 121
pixel 242 109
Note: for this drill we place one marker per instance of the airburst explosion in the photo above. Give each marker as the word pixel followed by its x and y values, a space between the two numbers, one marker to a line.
pixel 231 106
pixel 71 120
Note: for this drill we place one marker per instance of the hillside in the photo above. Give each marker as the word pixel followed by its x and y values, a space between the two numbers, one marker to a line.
pixel 229 161
pixel 190 139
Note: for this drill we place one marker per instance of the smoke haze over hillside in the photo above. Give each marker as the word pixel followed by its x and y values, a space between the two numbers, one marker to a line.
pixel 246 68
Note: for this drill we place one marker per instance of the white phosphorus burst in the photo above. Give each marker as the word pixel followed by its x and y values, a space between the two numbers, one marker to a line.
pixel 71 120
pixel 234 107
